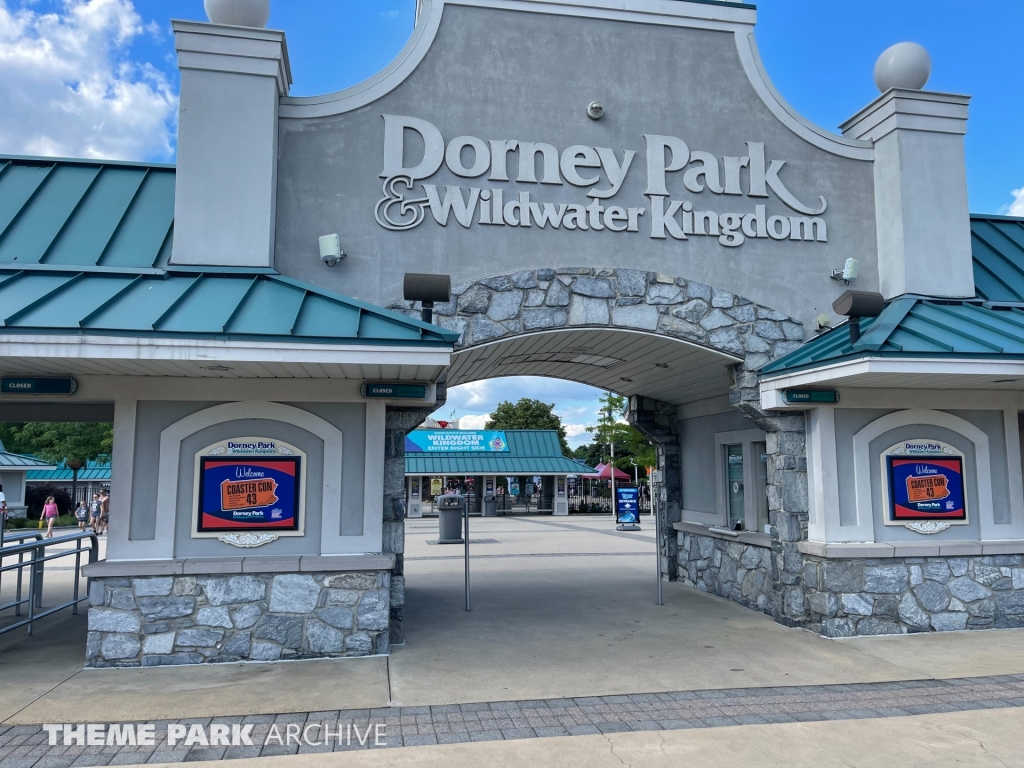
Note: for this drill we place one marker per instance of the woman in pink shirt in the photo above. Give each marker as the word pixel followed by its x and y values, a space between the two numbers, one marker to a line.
pixel 50 515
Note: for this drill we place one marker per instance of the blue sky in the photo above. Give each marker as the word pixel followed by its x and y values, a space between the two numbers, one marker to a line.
pixel 98 78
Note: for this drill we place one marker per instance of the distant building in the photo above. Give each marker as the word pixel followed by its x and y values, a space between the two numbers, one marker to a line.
pixel 13 468
pixel 92 478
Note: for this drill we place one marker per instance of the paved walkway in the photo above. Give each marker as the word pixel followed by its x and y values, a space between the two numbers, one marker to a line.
pixel 304 732
pixel 564 641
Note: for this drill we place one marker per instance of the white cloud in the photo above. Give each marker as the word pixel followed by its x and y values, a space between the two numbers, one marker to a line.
pixel 1016 208
pixel 474 422
pixel 577 430
pixel 68 88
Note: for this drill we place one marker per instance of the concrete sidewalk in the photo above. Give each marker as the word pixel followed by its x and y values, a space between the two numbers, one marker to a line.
pixel 562 608
pixel 960 740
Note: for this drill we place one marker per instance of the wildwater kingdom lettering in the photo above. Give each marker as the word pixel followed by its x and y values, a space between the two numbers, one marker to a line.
pixel 602 170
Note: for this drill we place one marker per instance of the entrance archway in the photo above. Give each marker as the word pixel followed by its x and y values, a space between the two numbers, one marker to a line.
pixel 664 341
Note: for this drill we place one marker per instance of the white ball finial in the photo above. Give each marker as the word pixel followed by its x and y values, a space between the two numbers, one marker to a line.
pixel 904 65
pixel 238 13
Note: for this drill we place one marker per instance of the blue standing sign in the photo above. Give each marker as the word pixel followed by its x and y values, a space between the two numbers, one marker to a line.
pixel 627 507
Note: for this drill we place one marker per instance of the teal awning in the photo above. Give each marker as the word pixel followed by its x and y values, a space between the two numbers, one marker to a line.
pixel 997 245
pixel 917 328
pixel 988 327
pixel 17 461
pixel 94 471
pixel 199 304
pixel 530 452
pixel 85 248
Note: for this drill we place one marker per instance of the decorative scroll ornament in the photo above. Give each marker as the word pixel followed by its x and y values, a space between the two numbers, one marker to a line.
pixel 392 197
pixel 927 526
pixel 248 540
pixel 218 451
pixel 285 451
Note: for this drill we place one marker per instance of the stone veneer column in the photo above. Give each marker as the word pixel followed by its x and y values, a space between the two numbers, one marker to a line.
pixel 787 494
pixel 658 422
pixel 398 422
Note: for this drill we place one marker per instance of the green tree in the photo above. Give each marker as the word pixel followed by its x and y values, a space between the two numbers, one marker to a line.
pixel 73 442
pixel 630 445
pixel 528 414
pixel 62 441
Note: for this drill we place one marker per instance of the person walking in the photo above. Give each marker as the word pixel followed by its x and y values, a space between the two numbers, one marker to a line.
pixel 82 515
pixel 95 509
pixel 50 515
pixel 104 510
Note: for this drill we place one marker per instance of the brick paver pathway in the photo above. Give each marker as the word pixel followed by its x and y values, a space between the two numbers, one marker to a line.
pixel 27 746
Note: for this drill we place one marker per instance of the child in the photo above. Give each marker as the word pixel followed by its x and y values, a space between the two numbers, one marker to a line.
pixel 94 513
pixel 50 515
pixel 82 515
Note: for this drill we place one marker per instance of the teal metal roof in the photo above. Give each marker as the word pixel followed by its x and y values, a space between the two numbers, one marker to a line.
pixel 530 452
pixel 912 327
pixel 992 326
pixel 95 471
pixel 198 304
pixel 84 248
pixel 85 213
pixel 17 461
pixel 997 245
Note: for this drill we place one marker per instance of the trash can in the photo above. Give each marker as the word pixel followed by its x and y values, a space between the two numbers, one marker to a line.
pixel 490 505
pixel 450 509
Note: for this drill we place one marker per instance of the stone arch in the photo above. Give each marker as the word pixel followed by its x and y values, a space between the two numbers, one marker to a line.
pixel 505 306
pixel 571 297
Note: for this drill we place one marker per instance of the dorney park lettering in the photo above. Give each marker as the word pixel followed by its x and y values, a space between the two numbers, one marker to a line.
pixel 603 170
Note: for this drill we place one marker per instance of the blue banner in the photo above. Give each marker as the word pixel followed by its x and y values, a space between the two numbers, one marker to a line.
pixel 627 508
pixel 455 441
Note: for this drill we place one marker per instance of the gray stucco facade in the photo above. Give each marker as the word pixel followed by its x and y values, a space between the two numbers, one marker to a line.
pixel 507 75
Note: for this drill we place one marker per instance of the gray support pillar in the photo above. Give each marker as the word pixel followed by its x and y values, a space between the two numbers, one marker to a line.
pixel 397 423
pixel 478 495
pixel 658 422
pixel 547 493
pixel 787 495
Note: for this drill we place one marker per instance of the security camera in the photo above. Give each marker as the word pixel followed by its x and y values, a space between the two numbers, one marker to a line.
pixel 848 273
pixel 330 250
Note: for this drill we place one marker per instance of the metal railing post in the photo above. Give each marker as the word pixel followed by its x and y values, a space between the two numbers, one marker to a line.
pixel 37 557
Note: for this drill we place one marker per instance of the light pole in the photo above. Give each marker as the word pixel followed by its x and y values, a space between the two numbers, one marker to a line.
pixel 611 471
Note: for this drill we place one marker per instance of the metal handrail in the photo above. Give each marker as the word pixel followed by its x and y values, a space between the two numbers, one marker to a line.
pixel 38 557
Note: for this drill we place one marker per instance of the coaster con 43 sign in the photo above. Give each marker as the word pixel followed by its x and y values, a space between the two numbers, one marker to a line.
pixel 249 484
pixel 924 486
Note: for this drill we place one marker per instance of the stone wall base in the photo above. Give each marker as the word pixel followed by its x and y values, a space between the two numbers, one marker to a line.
pixel 163 620
pixel 851 597
pixel 740 572
pixel 846 598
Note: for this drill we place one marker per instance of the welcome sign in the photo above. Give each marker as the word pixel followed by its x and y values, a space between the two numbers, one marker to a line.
pixel 249 484
pixel 927 488
pixel 924 481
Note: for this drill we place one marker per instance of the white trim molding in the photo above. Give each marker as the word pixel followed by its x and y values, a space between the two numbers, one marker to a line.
pixel 847 373
pixel 332 542
pixel 122 467
pixel 98 347
pixel 864 530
